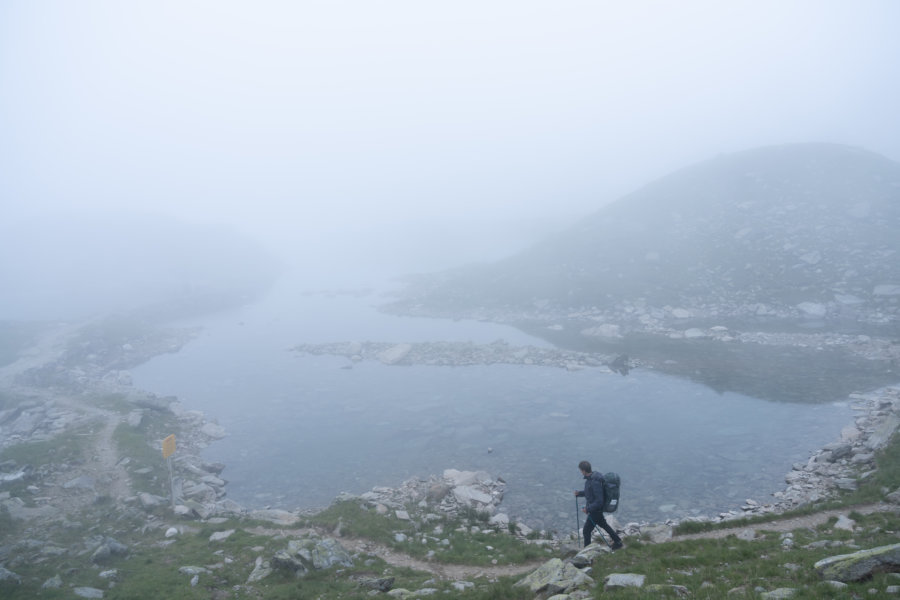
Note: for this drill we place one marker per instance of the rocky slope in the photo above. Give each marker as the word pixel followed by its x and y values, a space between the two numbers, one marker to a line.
pixel 783 234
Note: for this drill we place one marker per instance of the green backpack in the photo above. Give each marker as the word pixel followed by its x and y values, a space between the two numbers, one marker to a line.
pixel 611 483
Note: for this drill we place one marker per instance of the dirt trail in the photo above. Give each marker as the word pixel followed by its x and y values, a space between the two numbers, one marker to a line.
pixel 454 572
pixel 792 523
pixel 102 461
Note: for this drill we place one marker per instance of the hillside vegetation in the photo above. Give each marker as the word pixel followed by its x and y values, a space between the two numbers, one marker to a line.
pixel 753 233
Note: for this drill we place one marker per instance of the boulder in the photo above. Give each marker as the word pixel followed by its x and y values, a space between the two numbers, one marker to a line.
pixel 276 516
pixel 554 577
pixel 303 556
pixel 469 496
pixel 779 594
pixel 662 589
pixel 586 557
pixel 860 565
pixel 846 523
pixel 219 536
pixel 216 432
pixel 394 354
pixel 618 581
pixel 261 570
pixel 882 434
pixel 657 533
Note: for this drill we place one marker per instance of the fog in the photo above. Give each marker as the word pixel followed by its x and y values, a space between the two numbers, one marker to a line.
pixel 399 136
pixel 258 172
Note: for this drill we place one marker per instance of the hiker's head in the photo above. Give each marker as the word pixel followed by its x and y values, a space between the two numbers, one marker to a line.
pixel 584 466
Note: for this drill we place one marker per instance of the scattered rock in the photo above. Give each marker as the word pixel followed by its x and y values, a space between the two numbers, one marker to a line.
pixel 860 565
pixel 618 581
pixel 555 577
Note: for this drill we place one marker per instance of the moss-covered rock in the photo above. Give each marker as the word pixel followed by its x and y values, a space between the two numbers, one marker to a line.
pixel 555 577
pixel 860 565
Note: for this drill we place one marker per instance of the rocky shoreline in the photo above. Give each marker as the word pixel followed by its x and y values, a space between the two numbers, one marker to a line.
pixel 49 386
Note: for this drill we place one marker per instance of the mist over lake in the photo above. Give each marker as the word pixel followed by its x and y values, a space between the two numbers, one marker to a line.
pixel 302 429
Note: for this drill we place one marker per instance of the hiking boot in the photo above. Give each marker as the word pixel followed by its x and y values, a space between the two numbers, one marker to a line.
pixel 616 546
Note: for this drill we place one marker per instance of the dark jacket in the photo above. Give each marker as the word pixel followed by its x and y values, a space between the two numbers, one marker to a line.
pixel 593 492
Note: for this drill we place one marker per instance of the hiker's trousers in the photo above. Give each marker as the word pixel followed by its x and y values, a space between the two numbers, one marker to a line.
pixel 596 519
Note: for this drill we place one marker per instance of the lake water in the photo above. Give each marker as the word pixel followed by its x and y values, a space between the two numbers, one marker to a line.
pixel 302 428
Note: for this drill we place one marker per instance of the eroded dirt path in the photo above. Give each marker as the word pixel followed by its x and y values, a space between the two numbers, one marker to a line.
pixel 792 523
pixel 101 470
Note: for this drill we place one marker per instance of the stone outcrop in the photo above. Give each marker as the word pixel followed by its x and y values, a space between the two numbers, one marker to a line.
pixel 452 493
pixel 860 565
pixel 555 577
pixel 311 554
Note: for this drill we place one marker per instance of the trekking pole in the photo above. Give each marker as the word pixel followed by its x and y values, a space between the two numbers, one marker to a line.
pixel 599 531
pixel 577 518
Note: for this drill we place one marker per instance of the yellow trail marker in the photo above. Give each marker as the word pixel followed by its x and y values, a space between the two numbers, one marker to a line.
pixel 168 446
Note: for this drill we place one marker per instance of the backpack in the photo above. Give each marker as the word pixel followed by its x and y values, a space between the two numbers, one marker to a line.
pixel 611 484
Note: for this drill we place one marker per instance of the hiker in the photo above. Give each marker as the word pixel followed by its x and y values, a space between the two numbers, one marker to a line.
pixel 593 506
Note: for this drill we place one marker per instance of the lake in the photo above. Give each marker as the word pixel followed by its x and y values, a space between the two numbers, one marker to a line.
pixel 302 429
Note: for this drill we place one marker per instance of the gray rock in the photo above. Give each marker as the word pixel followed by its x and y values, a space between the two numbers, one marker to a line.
pixel 893 497
pixel 617 581
pixel 779 594
pixel 657 533
pixel 82 483
pixel 7 575
pixel 261 569
pixel 216 432
pixel 381 584
pixel 679 591
pixel 394 354
pixel 219 536
pixel 860 565
pixel 554 577
pixel 846 523
pixel 88 592
pixel 882 434
pixel 586 557
pixel 108 549
pixel 276 516
pixel 135 418
pixel 150 501
pixel 303 556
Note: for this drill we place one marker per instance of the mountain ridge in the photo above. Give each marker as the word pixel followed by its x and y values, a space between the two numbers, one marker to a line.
pixel 778 226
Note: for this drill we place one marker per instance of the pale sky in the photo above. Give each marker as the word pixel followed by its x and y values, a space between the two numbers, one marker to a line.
pixel 310 120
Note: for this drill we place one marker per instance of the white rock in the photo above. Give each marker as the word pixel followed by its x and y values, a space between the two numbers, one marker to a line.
pixel 846 523
pixel 221 535
pixel 887 290
pixel 812 309
pixel 468 496
pixel 171 531
pixel 394 354
pixel 217 432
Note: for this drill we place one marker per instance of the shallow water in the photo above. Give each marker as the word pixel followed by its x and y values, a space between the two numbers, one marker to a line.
pixel 304 428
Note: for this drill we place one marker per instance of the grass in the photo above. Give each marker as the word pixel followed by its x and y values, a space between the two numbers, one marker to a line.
pixel 443 541
pixel 712 568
